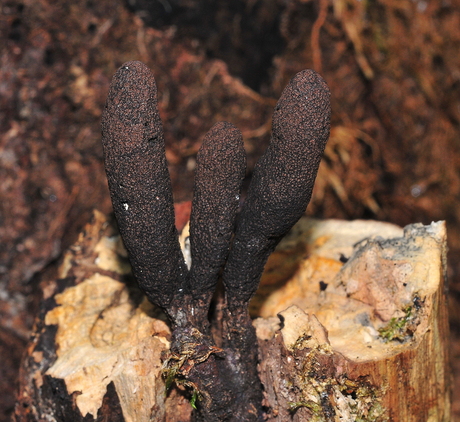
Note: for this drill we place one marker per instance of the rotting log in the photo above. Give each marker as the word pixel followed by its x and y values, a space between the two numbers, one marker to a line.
pixel 351 320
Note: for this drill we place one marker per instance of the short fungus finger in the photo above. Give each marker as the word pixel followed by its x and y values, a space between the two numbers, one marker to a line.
pixel 282 182
pixel 139 183
pixel 220 169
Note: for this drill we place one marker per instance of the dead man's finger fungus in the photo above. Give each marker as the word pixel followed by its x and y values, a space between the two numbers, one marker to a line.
pixel 220 169
pixel 139 183
pixel 282 181
pixel 224 380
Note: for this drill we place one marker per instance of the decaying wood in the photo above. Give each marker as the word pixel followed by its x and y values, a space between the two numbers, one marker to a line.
pixel 361 340
pixel 350 327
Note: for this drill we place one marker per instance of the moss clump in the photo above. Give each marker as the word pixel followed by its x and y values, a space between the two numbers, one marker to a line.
pixel 402 328
pixel 293 406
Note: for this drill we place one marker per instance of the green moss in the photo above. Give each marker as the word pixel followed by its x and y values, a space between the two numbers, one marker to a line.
pixel 398 328
pixel 172 376
pixel 293 406
pixel 195 396
pixel 365 403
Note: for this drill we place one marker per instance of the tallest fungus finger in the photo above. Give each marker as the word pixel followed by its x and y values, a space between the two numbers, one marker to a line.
pixel 282 182
pixel 139 183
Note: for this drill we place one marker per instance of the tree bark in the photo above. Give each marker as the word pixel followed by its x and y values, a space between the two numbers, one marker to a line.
pixel 351 320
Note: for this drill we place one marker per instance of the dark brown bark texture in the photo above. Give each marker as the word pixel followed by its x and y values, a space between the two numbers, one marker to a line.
pixel 225 381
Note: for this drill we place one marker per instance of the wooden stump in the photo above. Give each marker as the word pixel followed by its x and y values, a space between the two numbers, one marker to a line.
pixel 364 332
pixel 351 319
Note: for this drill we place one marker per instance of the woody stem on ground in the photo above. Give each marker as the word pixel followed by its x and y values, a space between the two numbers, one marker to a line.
pixel 226 379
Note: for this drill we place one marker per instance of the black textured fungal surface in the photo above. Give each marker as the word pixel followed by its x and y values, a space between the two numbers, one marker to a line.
pixel 139 182
pixel 282 182
pixel 225 379
pixel 220 169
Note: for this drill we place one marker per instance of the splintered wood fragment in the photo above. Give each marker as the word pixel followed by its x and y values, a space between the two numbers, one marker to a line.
pixel 351 320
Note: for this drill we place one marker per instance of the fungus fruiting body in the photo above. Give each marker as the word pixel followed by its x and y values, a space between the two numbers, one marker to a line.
pixel 224 379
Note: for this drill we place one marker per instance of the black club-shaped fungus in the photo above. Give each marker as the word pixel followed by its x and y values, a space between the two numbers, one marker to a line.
pixel 220 169
pixel 139 182
pixel 224 378
pixel 282 181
